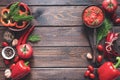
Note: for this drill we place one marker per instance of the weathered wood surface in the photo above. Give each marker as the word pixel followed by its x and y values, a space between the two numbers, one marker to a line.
pixel 53 74
pixel 58 57
pixel 61 53
pixel 58 15
pixel 55 2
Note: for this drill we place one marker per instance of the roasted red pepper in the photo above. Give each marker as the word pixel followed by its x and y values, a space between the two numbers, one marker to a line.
pixel 20 70
pixel 108 70
pixel 109 52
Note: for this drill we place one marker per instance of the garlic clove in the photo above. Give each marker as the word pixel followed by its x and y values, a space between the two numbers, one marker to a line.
pixel 7 73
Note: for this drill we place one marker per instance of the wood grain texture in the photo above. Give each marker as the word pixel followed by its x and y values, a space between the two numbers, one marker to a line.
pixel 58 15
pixel 61 36
pixel 55 2
pixel 58 57
pixel 53 74
pixel 57 36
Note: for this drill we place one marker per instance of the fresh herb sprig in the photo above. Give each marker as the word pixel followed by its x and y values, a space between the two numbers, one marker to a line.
pixel 34 38
pixel 103 30
pixel 14 8
pixel 18 18
pixel 14 14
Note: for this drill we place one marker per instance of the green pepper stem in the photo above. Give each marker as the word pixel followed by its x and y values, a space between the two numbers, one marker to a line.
pixel 118 62
pixel 26 63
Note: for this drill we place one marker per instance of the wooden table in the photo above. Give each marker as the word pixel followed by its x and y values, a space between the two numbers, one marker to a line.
pixel 61 53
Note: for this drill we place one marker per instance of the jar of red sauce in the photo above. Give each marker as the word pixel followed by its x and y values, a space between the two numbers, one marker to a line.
pixel 93 16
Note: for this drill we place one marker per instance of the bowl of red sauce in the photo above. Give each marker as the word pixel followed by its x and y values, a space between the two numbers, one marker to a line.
pixel 93 16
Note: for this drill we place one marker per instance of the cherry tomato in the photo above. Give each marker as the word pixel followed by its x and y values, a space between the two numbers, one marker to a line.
pixel 92 76
pixel 100 47
pixel 110 5
pixel 117 20
pixel 99 58
pixel 4 44
pixel 16 59
pixel 87 73
pixel 7 62
pixel 91 68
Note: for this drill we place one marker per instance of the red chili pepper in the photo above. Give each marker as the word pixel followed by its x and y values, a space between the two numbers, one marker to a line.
pixel 24 36
pixel 108 70
pixel 16 59
pixel 111 37
pixel 27 34
pixel 20 70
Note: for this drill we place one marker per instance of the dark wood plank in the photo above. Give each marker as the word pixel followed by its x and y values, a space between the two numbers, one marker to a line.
pixel 61 36
pixel 58 15
pixel 55 2
pixel 53 74
pixel 58 57
pixel 57 36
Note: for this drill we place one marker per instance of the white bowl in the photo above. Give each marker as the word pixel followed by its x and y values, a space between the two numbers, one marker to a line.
pixel 6 57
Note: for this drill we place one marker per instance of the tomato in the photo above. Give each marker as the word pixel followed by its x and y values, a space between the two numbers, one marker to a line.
pixel 4 44
pixel 100 47
pixel 117 21
pixel 92 76
pixel 91 68
pixel 87 73
pixel 99 58
pixel 110 5
pixel 25 51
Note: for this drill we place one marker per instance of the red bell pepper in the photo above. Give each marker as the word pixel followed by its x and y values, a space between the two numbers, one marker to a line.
pixel 20 70
pixel 108 70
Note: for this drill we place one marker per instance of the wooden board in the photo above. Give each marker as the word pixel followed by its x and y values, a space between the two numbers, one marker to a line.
pixel 53 74
pixel 58 15
pixel 58 57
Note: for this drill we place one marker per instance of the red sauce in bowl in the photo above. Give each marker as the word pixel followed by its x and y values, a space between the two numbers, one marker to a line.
pixel 93 16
